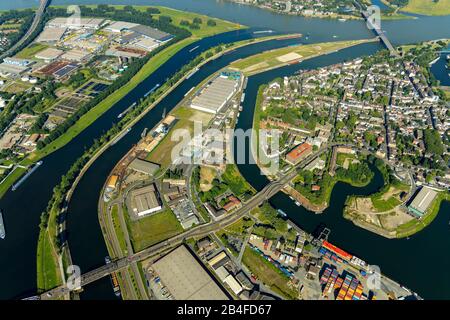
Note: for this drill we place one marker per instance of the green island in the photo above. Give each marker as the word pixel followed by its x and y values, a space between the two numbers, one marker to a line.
pixel 294 54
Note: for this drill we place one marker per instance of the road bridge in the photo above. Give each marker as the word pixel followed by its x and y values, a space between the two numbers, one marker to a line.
pixel 380 33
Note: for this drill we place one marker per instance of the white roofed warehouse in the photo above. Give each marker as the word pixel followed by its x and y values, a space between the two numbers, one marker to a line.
pixel 186 278
pixel 422 201
pixel 217 93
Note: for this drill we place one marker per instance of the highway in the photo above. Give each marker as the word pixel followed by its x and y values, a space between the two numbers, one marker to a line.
pixel 159 249
pixel 37 19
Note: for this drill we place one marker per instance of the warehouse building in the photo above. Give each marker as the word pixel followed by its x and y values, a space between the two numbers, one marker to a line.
pixel 150 32
pixel 422 201
pixel 143 201
pixel 147 44
pixel 51 35
pixel 49 54
pixel 76 55
pixel 145 167
pixel 80 23
pixel 214 96
pixel 120 26
pixel 10 69
pixel 186 278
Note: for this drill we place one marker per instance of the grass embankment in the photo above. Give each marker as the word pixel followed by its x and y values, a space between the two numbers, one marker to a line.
pixel 10 179
pixel 153 229
pixel 428 7
pixel 268 274
pixel 416 225
pixel 292 54
pixel 118 229
pixel 48 275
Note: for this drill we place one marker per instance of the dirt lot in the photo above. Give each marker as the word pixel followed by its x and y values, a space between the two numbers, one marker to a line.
pixel 207 175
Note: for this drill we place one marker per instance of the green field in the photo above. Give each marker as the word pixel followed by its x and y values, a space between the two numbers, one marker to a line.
pixel 48 275
pixel 30 51
pixel 388 200
pixel 428 7
pixel 186 117
pixel 153 229
pixel 238 185
pixel 118 230
pixel 268 274
pixel 178 15
pixel 279 57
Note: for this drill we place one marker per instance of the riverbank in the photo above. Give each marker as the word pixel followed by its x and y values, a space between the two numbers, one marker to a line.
pixel 427 8
pixel 148 69
pixel 277 58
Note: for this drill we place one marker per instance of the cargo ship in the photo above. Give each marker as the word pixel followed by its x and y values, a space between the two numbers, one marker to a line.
pixel 114 280
pixel 123 134
pixel 126 110
pixel 192 73
pixel 2 226
pixel 152 89
pixel 26 176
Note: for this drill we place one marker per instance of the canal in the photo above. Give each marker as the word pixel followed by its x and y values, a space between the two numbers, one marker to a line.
pixel 408 262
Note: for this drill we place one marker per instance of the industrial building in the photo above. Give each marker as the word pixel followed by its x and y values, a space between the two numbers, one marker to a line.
pixel 76 55
pixel 152 33
pixel 120 26
pixel 216 94
pixel 147 44
pixel 186 278
pixel 49 54
pixel 51 35
pixel 299 153
pixel 10 69
pixel 143 166
pixel 80 23
pixel 422 201
pixel 143 201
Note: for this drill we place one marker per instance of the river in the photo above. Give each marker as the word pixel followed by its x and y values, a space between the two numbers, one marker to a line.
pixel 400 259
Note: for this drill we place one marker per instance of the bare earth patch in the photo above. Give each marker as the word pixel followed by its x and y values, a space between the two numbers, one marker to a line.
pixel 289 57
pixel 207 175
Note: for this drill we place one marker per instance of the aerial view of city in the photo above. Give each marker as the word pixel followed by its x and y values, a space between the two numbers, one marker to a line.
pixel 246 151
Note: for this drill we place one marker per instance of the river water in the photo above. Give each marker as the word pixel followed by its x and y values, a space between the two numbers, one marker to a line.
pixel 419 263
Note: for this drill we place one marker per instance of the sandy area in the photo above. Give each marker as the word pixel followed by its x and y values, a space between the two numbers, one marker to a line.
pixel 289 57
pixel 207 175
